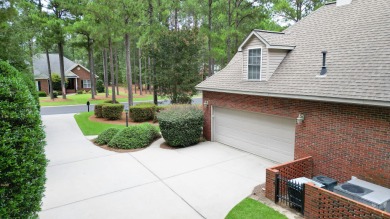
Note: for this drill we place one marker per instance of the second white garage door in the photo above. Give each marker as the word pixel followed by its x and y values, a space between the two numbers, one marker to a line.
pixel 267 136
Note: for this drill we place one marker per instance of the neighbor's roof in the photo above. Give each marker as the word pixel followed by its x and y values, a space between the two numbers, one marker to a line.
pixel 357 40
pixel 41 70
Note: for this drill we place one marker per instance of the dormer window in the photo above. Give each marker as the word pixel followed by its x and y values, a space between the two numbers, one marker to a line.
pixel 254 64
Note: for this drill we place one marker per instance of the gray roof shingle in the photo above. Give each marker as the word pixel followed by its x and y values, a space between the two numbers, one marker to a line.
pixel 41 70
pixel 357 40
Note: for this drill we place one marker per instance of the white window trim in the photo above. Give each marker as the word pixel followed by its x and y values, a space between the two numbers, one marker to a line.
pixel 247 62
pixel 90 85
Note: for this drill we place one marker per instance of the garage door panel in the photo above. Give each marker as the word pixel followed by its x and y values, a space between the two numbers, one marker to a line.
pixel 268 136
pixel 252 147
pixel 273 138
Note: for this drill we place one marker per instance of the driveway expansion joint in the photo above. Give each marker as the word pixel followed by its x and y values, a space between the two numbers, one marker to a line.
pixel 163 182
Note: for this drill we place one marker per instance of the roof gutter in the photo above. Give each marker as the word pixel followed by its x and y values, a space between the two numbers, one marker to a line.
pixel 303 97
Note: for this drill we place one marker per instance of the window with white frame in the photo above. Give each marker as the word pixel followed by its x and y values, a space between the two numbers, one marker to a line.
pixel 86 83
pixel 254 64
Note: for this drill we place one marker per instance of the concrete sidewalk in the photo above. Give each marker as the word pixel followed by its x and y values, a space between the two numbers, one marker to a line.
pixel 85 181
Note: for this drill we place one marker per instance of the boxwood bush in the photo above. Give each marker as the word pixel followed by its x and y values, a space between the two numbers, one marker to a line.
pixel 22 158
pixel 112 111
pixel 106 136
pixel 42 94
pixel 137 136
pixel 142 112
pixel 98 110
pixel 181 125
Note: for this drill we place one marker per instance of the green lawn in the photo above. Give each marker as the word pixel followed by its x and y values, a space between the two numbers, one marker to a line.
pixel 92 128
pixel 252 209
pixel 81 99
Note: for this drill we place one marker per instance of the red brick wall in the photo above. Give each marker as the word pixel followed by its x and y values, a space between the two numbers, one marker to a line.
pixel 83 75
pixel 291 170
pixel 320 203
pixel 44 85
pixel 344 140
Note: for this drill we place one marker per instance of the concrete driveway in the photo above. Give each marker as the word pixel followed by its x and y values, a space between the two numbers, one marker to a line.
pixel 84 181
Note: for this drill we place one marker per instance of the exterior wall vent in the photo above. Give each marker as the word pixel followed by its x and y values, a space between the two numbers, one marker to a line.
pixel 323 70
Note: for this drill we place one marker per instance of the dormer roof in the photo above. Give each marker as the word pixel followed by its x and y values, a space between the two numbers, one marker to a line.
pixel 272 40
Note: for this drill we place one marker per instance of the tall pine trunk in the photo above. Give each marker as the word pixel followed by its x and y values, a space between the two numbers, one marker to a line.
pixel 211 69
pixel 92 75
pixel 116 70
pixel 112 70
pixel 49 70
pixel 105 71
pixel 140 71
pixel 62 70
pixel 128 71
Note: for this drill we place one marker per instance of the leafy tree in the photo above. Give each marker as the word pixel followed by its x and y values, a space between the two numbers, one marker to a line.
pixel 295 10
pixel 177 64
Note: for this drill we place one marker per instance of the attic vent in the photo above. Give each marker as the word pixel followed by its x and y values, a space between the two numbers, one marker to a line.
pixel 323 70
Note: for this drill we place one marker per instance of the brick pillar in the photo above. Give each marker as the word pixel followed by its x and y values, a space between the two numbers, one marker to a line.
pixel 270 186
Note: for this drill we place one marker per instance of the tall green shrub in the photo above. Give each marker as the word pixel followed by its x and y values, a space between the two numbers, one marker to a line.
pixel 181 125
pixel 56 80
pixel 22 158
pixel 99 86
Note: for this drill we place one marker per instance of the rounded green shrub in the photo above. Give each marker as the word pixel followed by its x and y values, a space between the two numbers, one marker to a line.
pixel 181 125
pixel 100 86
pixel 98 110
pixel 112 111
pixel 22 158
pixel 106 136
pixel 142 112
pixel 137 136
pixel 55 94
pixel 42 94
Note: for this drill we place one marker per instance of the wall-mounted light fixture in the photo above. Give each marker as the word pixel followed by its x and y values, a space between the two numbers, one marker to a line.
pixel 206 103
pixel 300 118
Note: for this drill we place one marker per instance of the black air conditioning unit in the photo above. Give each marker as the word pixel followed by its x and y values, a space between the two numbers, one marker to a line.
pixel 328 182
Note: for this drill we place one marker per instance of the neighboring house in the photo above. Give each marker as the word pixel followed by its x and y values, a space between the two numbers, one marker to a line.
pixel 78 76
pixel 342 108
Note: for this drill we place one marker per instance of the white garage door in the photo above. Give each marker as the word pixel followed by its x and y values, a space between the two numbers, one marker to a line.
pixel 267 136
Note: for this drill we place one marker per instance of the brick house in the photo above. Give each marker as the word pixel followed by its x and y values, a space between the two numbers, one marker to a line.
pixel 320 88
pixel 78 76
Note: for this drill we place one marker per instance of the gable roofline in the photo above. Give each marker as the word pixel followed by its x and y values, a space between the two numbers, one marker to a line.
pixel 267 44
pixel 75 65
pixel 302 97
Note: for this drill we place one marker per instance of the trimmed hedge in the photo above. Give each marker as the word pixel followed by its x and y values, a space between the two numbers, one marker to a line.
pixel 106 136
pixel 22 158
pixel 110 101
pixel 42 94
pixel 98 111
pixel 181 125
pixel 112 111
pixel 137 136
pixel 142 112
